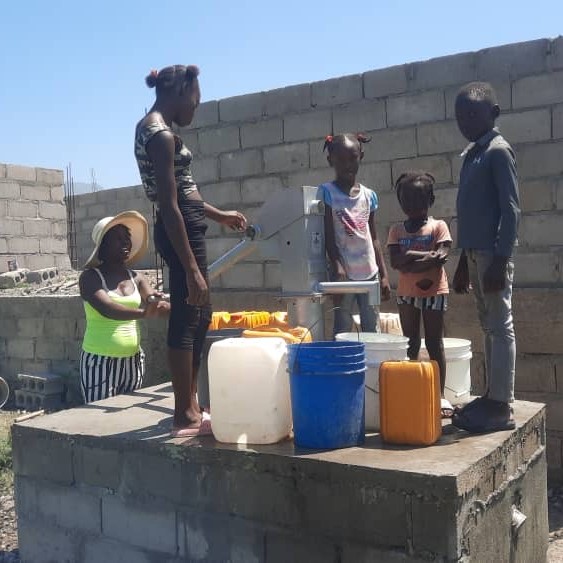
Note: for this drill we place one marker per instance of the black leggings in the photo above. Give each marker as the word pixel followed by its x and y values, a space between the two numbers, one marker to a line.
pixel 188 324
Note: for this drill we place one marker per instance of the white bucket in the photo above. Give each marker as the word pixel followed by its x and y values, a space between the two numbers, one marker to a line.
pixel 379 348
pixel 390 323
pixel 458 369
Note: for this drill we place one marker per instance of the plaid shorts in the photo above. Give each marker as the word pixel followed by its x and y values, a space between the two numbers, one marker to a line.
pixel 434 303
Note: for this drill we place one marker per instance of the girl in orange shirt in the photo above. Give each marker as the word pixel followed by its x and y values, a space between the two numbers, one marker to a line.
pixel 419 249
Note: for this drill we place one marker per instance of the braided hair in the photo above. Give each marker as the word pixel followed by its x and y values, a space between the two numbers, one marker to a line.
pixel 480 91
pixel 333 141
pixel 416 179
pixel 169 77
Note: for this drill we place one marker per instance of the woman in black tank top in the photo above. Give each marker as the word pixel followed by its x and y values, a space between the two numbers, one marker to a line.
pixel 165 167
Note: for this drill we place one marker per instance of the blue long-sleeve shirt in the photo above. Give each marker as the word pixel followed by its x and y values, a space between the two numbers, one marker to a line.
pixel 488 208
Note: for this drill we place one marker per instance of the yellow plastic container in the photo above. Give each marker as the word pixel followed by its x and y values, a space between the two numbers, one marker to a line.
pixel 295 335
pixel 409 397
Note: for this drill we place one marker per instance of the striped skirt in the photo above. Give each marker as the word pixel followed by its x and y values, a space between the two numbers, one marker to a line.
pixel 102 377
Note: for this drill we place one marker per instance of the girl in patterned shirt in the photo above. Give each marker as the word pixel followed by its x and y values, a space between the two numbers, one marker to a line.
pixel 352 247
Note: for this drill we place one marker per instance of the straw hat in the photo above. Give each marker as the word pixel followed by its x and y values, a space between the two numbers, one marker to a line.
pixel 138 228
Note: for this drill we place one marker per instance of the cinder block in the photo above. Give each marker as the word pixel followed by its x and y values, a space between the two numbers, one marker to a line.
pixel 67 507
pixel 50 349
pixel 50 177
pixel 261 133
pixel 362 116
pixel 442 71
pixel 30 402
pixel 49 210
pixel 205 169
pixel 21 348
pixel 438 138
pixel 535 372
pixel 389 211
pixel 53 245
pixel 282 101
pixel 337 91
pixel 25 173
pixel 307 125
pixel 241 163
pixel 29 328
pixel 108 551
pixel 502 89
pixel 206 114
pixel 538 90
pixel 59 228
pixel 38 262
pixel 556 60
pixel 23 245
pixel 355 553
pixel 3 246
pixel 376 175
pixel 140 525
pixel 37 227
pixel 3 209
pixel 317 156
pixel 537 195
pixel 385 81
pixel 256 190
pixel 415 108
pixel 438 166
pixel 389 144
pixel 308 177
pixel 241 108
pixel 13 279
pixel 284 158
pixel 557 122
pixel 57 193
pixel 43 383
pixel 541 230
pixel 35 192
pixel 512 61
pixel 526 127
pixel 283 547
pixel 12 227
pixel 211 537
pixel 98 211
pixel 22 209
pixel 221 139
pixel 44 542
pixel 97 467
pixel 273 275
pixel 540 160
pixel 222 194
pixel 2 170
pixel 9 190
pixel 244 275
pixel 535 269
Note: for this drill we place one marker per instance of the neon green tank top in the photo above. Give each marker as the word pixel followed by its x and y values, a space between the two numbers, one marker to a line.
pixel 108 337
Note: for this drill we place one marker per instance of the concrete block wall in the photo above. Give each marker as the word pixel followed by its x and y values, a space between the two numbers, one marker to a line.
pixel 248 146
pixel 33 221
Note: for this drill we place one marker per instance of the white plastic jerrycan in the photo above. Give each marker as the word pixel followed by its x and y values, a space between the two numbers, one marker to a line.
pixel 249 390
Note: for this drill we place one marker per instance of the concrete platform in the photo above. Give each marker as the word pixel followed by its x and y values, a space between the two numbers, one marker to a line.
pixel 105 483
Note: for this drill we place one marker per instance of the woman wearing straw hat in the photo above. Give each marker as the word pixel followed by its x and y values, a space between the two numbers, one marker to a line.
pixel 112 361
pixel 165 168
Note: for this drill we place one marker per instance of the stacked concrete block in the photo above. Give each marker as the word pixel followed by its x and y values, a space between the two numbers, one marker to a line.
pixel 40 392
pixel 31 204
pixel 9 280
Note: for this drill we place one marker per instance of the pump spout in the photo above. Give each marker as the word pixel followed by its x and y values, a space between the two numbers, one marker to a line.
pixel 369 287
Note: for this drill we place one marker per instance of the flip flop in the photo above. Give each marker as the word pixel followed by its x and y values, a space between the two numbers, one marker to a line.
pixel 446 408
pixel 203 430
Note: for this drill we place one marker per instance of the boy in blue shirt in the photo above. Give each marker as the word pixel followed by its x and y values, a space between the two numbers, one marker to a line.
pixel 488 213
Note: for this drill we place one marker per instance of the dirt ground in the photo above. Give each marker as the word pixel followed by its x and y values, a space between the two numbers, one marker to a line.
pixel 8 522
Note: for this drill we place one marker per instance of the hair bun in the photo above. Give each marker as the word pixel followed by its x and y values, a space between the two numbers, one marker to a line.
pixel 192 71
pixel 151 78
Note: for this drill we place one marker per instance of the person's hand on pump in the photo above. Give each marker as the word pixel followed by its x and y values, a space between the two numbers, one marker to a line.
pixel 235 220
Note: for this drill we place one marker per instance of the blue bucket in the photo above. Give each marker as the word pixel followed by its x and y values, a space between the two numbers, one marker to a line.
pixel 327 400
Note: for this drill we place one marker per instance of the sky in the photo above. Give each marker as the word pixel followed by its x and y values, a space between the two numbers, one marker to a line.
pixel 72 73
